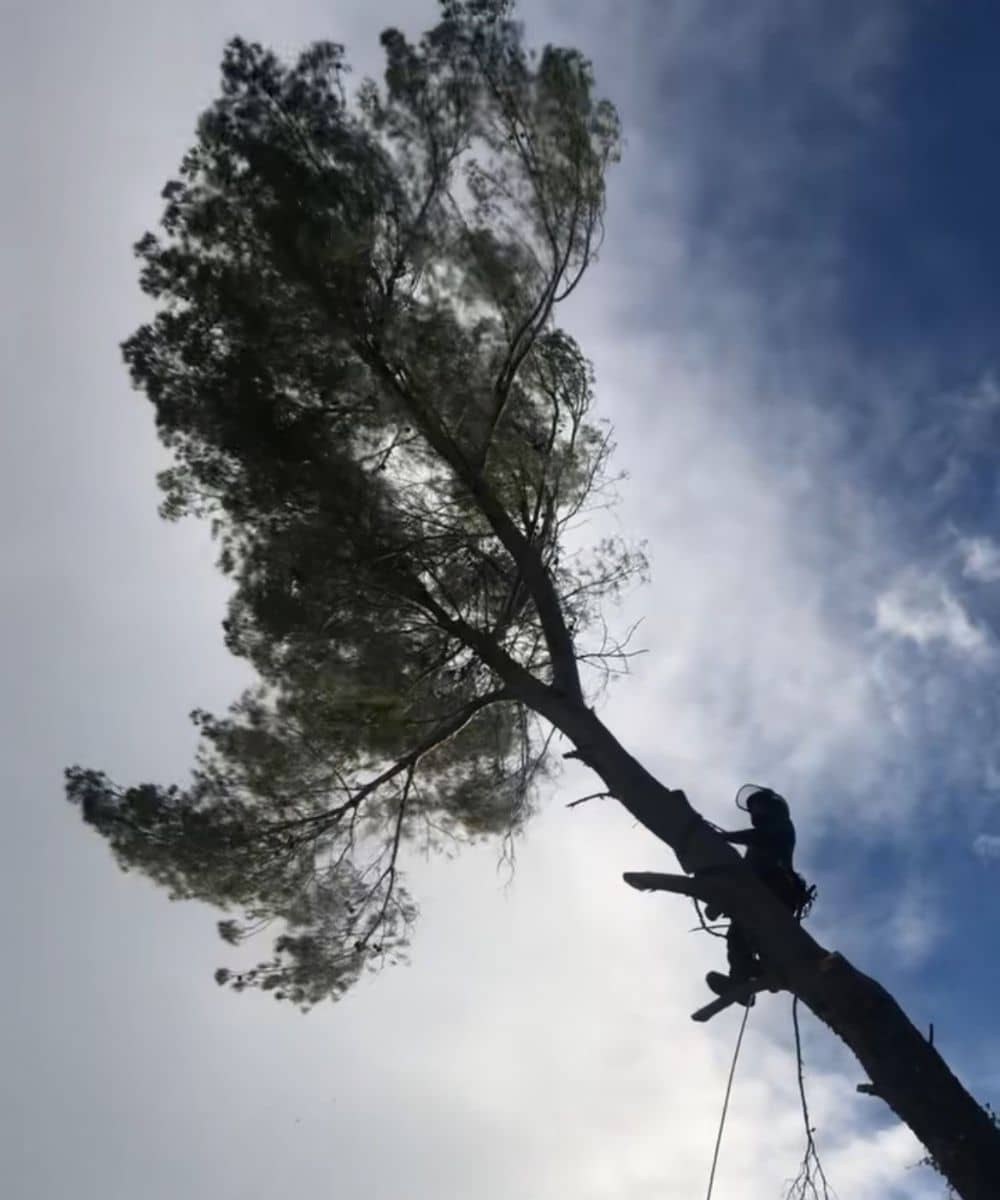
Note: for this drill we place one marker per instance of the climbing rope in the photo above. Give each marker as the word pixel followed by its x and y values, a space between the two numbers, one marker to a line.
pixel 725 1103
pixel 811 1182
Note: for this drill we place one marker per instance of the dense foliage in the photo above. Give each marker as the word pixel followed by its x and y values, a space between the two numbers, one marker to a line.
pixel 355 364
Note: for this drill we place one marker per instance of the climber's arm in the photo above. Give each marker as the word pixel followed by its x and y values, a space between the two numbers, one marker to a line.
pixel 742 837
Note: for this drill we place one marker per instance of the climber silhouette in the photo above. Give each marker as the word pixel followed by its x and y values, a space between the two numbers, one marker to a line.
pixel 770 847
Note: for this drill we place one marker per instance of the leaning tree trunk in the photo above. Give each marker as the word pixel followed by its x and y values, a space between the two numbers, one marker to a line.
pixel 904 1069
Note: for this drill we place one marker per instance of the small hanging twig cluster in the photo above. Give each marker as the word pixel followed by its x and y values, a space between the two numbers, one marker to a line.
pixel 810 1183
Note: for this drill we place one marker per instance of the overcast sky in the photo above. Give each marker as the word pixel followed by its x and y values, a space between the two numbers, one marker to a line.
pixel 793 325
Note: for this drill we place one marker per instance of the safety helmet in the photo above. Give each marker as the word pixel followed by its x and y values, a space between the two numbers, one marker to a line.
pixel 754 797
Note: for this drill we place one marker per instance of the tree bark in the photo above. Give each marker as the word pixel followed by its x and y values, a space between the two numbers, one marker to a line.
pixel 904 1068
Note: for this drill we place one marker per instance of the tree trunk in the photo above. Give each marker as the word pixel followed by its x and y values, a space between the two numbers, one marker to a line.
pixel 904 1068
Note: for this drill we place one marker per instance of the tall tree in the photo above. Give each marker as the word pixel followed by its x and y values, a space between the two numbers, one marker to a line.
pixel 356 364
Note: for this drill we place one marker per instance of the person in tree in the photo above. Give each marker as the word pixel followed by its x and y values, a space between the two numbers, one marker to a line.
pixel 770 847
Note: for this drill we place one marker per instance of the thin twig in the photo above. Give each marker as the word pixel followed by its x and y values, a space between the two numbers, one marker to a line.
pixel 714 930
pixel 811 1182
pixel 592 796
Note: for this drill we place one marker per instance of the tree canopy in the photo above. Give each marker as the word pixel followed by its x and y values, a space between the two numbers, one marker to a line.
pixel 356 365
pixel 355 362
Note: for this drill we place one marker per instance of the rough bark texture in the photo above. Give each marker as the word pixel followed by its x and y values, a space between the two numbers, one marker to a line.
pixel 905 1070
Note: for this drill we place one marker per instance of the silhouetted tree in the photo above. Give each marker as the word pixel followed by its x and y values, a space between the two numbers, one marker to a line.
pixel 356 365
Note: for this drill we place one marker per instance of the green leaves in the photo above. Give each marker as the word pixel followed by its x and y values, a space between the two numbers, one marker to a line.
pixel 355 364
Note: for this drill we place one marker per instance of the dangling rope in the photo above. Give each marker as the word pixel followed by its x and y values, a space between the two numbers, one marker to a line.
pixel 725 1103
pixel 811 1182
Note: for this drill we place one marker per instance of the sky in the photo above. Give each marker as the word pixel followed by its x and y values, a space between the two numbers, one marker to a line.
pixel 792 327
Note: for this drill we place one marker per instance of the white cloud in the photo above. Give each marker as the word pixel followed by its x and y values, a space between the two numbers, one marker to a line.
pixel 915 926
pixel 923 609
pixel 981 559
pixel 987 846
